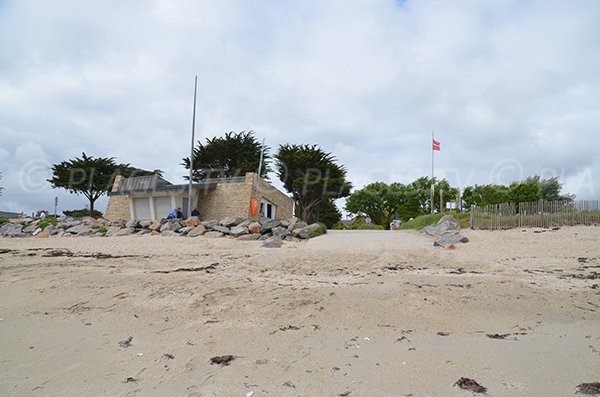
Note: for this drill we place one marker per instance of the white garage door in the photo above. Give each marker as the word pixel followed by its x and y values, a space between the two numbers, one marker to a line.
pixel 141 208
pixel 162 206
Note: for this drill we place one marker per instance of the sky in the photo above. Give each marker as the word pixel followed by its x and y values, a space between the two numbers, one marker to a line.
pixel 510 88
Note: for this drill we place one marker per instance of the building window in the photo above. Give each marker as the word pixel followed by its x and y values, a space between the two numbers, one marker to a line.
pixel 267 209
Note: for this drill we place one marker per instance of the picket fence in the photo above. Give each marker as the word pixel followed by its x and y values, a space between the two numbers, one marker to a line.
pixel 536 214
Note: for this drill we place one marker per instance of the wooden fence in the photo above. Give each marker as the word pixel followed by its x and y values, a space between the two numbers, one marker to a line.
pixel 536 214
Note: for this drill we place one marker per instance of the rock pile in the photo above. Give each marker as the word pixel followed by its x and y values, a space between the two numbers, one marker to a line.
pixel 271 231
pixel 446 232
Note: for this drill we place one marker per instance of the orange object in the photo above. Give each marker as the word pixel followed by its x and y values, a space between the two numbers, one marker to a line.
pixel 253 206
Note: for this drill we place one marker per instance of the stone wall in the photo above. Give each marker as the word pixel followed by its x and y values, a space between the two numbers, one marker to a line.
pixel 284 203
pixel 225 200
pixel 117 209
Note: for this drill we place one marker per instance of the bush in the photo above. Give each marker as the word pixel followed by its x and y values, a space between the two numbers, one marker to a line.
pixel 83 212
pixel 422 221
pixel 338 226
pixel 51 220
pixel 321 230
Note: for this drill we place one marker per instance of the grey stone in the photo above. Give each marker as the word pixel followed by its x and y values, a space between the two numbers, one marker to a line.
pixel 197 231
pixel 305 232
pixel 249 237
pixel 80 230
pixel 36 231
pixel 446 223
pixel 285 223
pixel 168 233
pixel 184 230
pixel 213 234
pixel 172 224
pixel 143 232
pixel 132 223
pixel 273 242
pixel 265 237
pixel 124 232
pixel 68 224
pixel 145 223
pixel 238 221
pixel 280 231
pixel 209 224
pixel 268 224
pixel 60 233
pixel 221 229
pixel 29 228
pixel 450 238
pixel 237 231
pixel 227 222
pixel 11 230
pixel 299 225
pixel 245 222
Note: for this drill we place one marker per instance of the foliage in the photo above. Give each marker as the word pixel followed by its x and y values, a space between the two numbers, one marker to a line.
pixel 422 191
pixel 365 226
pixel 90 176
pixel 322 229
pixel 83 212
pixel 231 155
pixel 99 229
pixel 3 220
pixel 329 213
pixel 50 220
pixel 312 176
pixel 422 221
pixel 531 189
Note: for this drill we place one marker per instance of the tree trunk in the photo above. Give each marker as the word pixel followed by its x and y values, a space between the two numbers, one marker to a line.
pixel 92 207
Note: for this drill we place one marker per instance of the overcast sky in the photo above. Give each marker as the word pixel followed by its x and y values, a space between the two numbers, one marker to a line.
pixel 511 88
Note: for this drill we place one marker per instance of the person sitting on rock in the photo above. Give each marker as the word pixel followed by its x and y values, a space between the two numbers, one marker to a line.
pixel 180 213
pixel 172 214
pixel 195 212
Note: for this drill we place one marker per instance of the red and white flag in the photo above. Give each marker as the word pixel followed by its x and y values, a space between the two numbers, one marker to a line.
pixel 435 145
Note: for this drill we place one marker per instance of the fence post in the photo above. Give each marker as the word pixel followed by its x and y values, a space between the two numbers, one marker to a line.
pixel 541 209
pixel 472 217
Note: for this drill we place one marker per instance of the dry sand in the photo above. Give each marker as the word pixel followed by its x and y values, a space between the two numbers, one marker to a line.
pixel 361 313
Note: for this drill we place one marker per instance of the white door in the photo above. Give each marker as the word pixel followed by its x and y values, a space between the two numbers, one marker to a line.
pixel 162 206
pixel 141 208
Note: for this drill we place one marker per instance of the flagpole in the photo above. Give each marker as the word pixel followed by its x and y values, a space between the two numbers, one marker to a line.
pixel 189 208
pixel 432 180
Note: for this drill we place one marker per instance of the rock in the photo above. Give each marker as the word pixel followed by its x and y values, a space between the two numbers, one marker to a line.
pixel 10 230
pixel 298 225
pixel 184 230
pixel 50 228
pixel 227 222
pixel 145 224
pixel 255 227
pixel 124 232
pixel 291 238
pixel 304 233
pixel 30 228
pixel 237 231
pixel 37 231
pixel 20 221
pixel 447 223
pixel 285 223
pixel 249 237
pixel 168 233
pixel 244 222
pixel 68 224
pixel 450 238
pixel 60 233
pixel 265 237
pixel 43 234
pixel 88 220
pixel 268 224
pixel 80 230
pixel 221 229
pixel 132 223
pixel 280 231
pixel 273 242
pixel 143 231
pixel 155 233
pixel 192 221
pixel 172 224
pixel 209 224
pixel 197 231
pixel 213 234
pixel 155 225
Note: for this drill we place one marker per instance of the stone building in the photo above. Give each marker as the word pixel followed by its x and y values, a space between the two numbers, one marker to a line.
pixel 152 197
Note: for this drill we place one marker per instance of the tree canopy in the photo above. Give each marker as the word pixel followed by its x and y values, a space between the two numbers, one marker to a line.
pixel 231 155
pixel 329 213
pixel 91 176
pixel 311 175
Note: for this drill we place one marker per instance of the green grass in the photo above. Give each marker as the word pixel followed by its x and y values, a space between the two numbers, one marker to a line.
pixel 99 229
pixel 422 221
pixel 3 220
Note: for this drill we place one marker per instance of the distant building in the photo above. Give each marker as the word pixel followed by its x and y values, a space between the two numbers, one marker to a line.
pixel 152 197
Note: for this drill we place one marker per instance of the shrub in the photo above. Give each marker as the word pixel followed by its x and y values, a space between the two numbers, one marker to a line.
pixel 338 226
pixel 51 220
pixel 321 230
pixel 362 225
pixel 83 212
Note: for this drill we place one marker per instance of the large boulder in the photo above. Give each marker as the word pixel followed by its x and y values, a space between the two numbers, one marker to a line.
pixel 30 228
pixel 172 224
pixel 273 242
pixel 228 221
pixel 192 221
pixel 197 231
pixel 168 233
pixel 156 225
pixel 450 238
pixel 221 229
pixel 268 224
pixel 43 234
pixel 184 230
pixel 209 224
pixel 11 230
pixel 146 223
pixel 305 232
pixel 447 223
pixel 255 228
pixel 124 232
pixel 237 231
pixel 132 223
pixel 280 231
pixel 80 230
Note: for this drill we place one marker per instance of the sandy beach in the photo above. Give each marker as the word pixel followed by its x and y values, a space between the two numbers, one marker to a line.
pixel 351 313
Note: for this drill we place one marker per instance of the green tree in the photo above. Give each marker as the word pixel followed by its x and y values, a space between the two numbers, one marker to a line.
pixel 311 175
pixel 231 155
pixel 329 214
pixel 90 176
pixel 422 192
pixel 481 195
